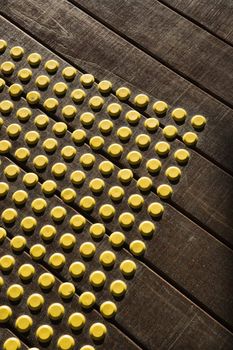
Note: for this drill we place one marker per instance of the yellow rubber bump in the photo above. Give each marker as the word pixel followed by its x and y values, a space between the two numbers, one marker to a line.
pixel 198 122
pixel 115 150
pixel 151 124
pixel 87 119
pixel 125 175
pixel 77 177
pixel 173 173
pixel 34 59
pixel 15 292
pixel 137 247
pixel 23 114
pixel 42 81
pixel 190 138
pixel 170 132
pixel 123 93
pixel 107 211
pixel 147 228
pixel 134 158
pixel 87 80
pixel 7 262
pixel 68 195
pixel 97 230
pixel 68 152
pixel 4 188
pixel 37 251
pixel 7 68
pixel 87 160
pixel 106 168
pixel 182 156
pixel 162 148
pixel 59 170
pixel 144 183
pixel 133 117
pixel 135 201
pixel 160 107
pixel 97 279
pixel 153 165
pixel 46 281
pixel 9 215
pixel 179 114
pixel 105 86
pixel 87 249
pixel 2 234
pixel 117 239
pixel 96 142
pixel 55 311
pixel 28 224
pixel 76 321
pixel 77 222
pixel 13 130
pixel 79 136
pixel 65 342
pixel 12 344
pixel 15 90
pixel 5 313
pixel 164 191
pixel 51 66
pixel 105 126
pixel 6 106
pixel 18 243
pixel 69 112
pixel 114 109
pixel 1 279
pixel 60 89
pixel 57 261
pixel 155 209
pixel 44 333
pixel 26 272
pixel 33 97
pixel 39 205
pixel 3 45
pixel 87 203
pixel 126 220
pixel 41 121
pixel 35 302
pixel 67 241
pixel 17 52
pixel 77 269
pixel 87 300
pixel 87 347
pixel 23 323
pixel 141 100
pixel 59 129
pixel 124 133
pixel 12 171
pixel 128 267
pixel 143 141
pixel 108 309
pixel 118 288
pixel 96 185
pixel 98 331
pixel 107 258
pixel 69 73
pixel 78 95
pixel 2 84
pixel 22 154
pixel 5 146
pixel 50 104
pixel 96 102
pixel 24 74
pixel 49 187
pixel 30 180
pixel 48 232
pixel 116 193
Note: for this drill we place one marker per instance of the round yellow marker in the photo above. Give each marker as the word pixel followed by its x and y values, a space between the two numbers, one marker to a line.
pixel 77 177
pixel 66 342
pixel 79 136
pixel 123 93
pixel 49 187
pixel 41 121
pixel 22 154
pixel 37 251
pixel 2 84
pixel 87 160
pixel 12 344
pixel 96 185
pixel 77 269
pixel 68 195
pixel 96 102
pixel 115 150
pixel 134 158
pixel 141 100
pixel 39 205
pixel 124 133
pixel 67 241
pixel 136 201
pixel 15 90
pixel 68 152
pixel 24 74
pixel 30 179
pixel 164 191
pixel 46 280
pixel 162 148
pixel 33 97
pixel 107 258
pixel 23 323
pixel 87 300
pixel 137 247
pixel 60 89
pixel 13 130
pixel 97 230
pixel 35 301
pixel 96 142
pixel 51 66
pixel 128 267
pixel 48 232
pixel 11 171
pixel 76 321
pixel 132 117
pixel 143 141
pixel 116 193
pixel 7 262
pixel 40 162
pixel 117 239
pixel 42 81
pixel 77 222
pixel 18 243
pixel 17 52
pixel 108 309
pixel 34 59
pixel 7 67
pixel 97 279
pixel 26 272
pixel 5 313
pixel 2 234
pixel 28 224
pixel 153 165
pixel 114 109
pixel 179 115
pixel 170 132
pixel 155 209
pixel 87 203
pixel 105 126
pixel 106 168
pixel 190 138
pixel 44 333
pixel 23 114
pixel 6 106
pixel 15 292
pixel 105 86
pixel 4 188
pixel 5 146
pixel 59 128
pixel 87 347
pixel 59 170
pixel 50 104
pixel 9 215
pixel 98 331
pixel 118 288
pixel 78 95
pixel 87 80
pixel 3 45
pixel 57 261
pixel 125 175
pixel 69 73
pixel 173 173
pixel 69 112
pixel 87 249
pixel 147 228
pixel 107 211
pixel 198 122
pixel 144 183
pixel 160 107
pixel 182 156
pixel 55 311
pixel 126 220
pixel 87 118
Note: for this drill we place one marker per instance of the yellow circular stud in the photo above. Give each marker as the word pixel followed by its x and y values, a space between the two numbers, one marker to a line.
pixel 39 205
pixel 87 80
pixel 34 59
pixel 33 97
pixel 37 251
pixel 48 232
pixel 107 211
pixel 147 228
pixel 2 84
pixel 59 170
pixel 55 311
pixel 87 300
pixel 97 279
pixel 134 158
pixel 126 220
pixel 9 215
pixel 164 191
pixel 96 102
pixel 114 109
pixel 105 126
pixel 106 168
pixel 51 66
pixel 30 179
pixel 50 104
pixel 5 313
pixel 151 124
pixel 137 247
pixel 6 106
pixel 1 279
pixel 96 185
pixel 87 160
pixel 105 86
pixel 41 121
pixel 23 114
pixel 128 267
pixel 15 292
pixel 160 107
pixel 44 333
pixel 49 187
pixel 68 152
pixel 4 188
pixel 108 309
pixel 12 344
pixel 2 234
pixel 87 203
pixel 78 136
pixel 18 243
pixel 125 175
pixel 87 249
pixel 7 67
pixel 198 122
pixel 69 73
pixel 67 241
pixel 24 74
pixel 124 133
pixel 11 171
pixel 123 93
pixel 28 224
pixel 77 269
pixel 116 193
pixel 13 130
pixel 57 260
pixel 35 302
pixel 135 201
pixel 40 162
pixel 190 138
pixel 69 112
pixel 179 114
pixel 15 90
pixel 60 89
pixel 141 100
pixel 132 117
pixel 162 148
pixel 22 154
pixel 182 156
pixel 42 81
pixel 117 239
pixel 58 213
pixel 96 142
pixel 77 177
pixel 77 222
pixel 76 321
pixel 144 183
pixel 143 141
pixel 68 195
pixel 155 209
pixel 5 146
pixel 26 272
pixel 7 262
pixel 23 323
pixel 78 95
pixel 87 347
pixel 118 288
pixel 98 331
pixel 173 173
pixel 66 342
pixel 115 150
pixel 97 230
pixel 46 281
pixel 17 52
pixel 3 45
pixel 170 132
pixel 153 165
pixel 87 118
pixel 59 128
pixel 107 258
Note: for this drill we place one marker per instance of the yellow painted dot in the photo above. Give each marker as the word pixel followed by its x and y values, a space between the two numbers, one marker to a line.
pixel 42 81
pixel 162 148
pixel 41 121
pixel 144 183
pixel 4 188
pixel 15 292
pixel 11 171
pixel 114 109
pixel 76 321
pixel 33 97
pixel 5 146
pixel 22 154
pixel 107 258
pixel 125 175
pixel 151 124
pixel 173 173
pixel 68 152
pixel 87 80
pixel 135 201
pixel 2 234
pixel 69 112
pixel 98 331
pixel 170 132
pixel 66 342
pixel 160 107
pixel 164 191
pixel 87 160
pixel 132 117
pixel 190 138
pixel 48 232
pixel 51 66
pixel 23 114
pixel 96 102
pixel 13 130
pixel 12 344
pixel 77 177
pixel 143 141
pixel 87 300
pixel 141 100
pixel 69 73
pixel 147 228
pixel 87 249
pixel 78 95
pixel 50 104
pixel 37 251
pixel 59 169
pixel 2 84
pixel 77 269
pixel 198 122
pixel 117 239
pixel 106 168
pixel 18 243
pixel 179 114
pixel 30 179
pixel 124 133
pixel 96 142
pixel 106 211
pixel 17 52
pixel 7 67
pixel 15 90
pixel 155 209
pixel 44 333
pixel 56 311
pixel 77 222
pixel 126 220
pixel 115 150
pixel 96 185
pixel 87 347
pixel 7 262
pixel 59 128
pixel 137 247
pixel 78 136
pixel 1 279
pixel 49 187
pixel 87 119
pixel 26 271
pixel 118 288
pixel 97 230
pixel 97 279
pixel 6 106
pixel 28 224
pixel 58 213
pixel 57 260
pixel 128 267
pixel 181 156
pixel 153 165
pixel 87 203
pixel 108 309
pixel 134 158
pixel 105 126
pixel 3 45
pixel 23 323
pixel 67 241
pixel 68 195
pixel 60 88
pixel 34 59
pixel 105 86
pixel 46 281
pixel 9 215
pixel 24 74
pixel 5 313
pixel 123 93
pixel 116 193
pixel 39 205
pixel 35 302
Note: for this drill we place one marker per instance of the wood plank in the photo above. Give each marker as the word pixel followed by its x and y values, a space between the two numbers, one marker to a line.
pixel 184 317
pixel 215 16
pixel 5 334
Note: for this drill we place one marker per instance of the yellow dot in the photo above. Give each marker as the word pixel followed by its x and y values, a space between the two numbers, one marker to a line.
pixel 18 243
pixel 144 183
pixel 42 81
pixel 13 130
pixel 114 109
pixel 160 107
pixel 37 251
pixel 68 152
pixel 46 280
pixel 170 132
pixel 69 112
pixel 128 267
pixel 24 74
pixel 153 165
pixel 108 309
pixel 78 95
pixel 2 84
pixel 124 133
pixel 59 169
pixel 5 146
pixel 17 52
pixel 151 124
pixel 15 292
pixel 15 90
pixel 107 258
pixel 34 59
pixel 87 80
pixel 41 121
pixel 50 104
pixel 7 262
pixel 44 333
pixel 77 269
pixel 40 162
pixel 28 224
pixel 135 201
pixel 87 347
pixel 57 260
pixel 106 211
pixel 118 288
pixel 155 209
pixel 48 232
pixel 198 122
pixel 162 148
pixel 51 66
pixel 58 213
pixel 23 114
pixel 49 187
pixel 22 154
pixel 105 86
pixel 56 311
pixel 96 102
pixel 4 188
pixel 181 156
pixel 87 160
pixel 77 177
pixel 68 195
pixel 2 234
pixel 87 300
pixel 173 173
pixel 77 222
pixel 179 114
pixel 7 67
pixel 5 313
pixel 78 136
pixel 97 279
pixel 96 185
pixel 87 119
pixel 9 215
pixel 30 179
pixel 97 230
pixel 12 344
pixel 87 249
pixel 106 168
pixel 137 247
pixel 126 220
pixel 26 271
pixel 38 205
pixel 164 191
pixel 6 106
pixel 23 323
pixel 115 150
pixel 98 331
pixel 67 241
pixel 69 73
pixel 123 93
pixel 76 321
pixel 33 97
pixel 105 126
pixel 35 301
pixel 147 228
pixel 59 128
pixel 117 239
pixel 65 342
pixel 134 158
pixel 96 142
pixel 125 175
pixel 87 203
pixel 132 117
pixel 143 141
pixel 11 171
pixel 3 45
pixel 190 138
pixel 141 100
pixel 116 193
pixel 60 88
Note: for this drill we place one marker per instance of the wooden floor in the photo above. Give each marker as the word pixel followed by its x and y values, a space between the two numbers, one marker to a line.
pixel 180 52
